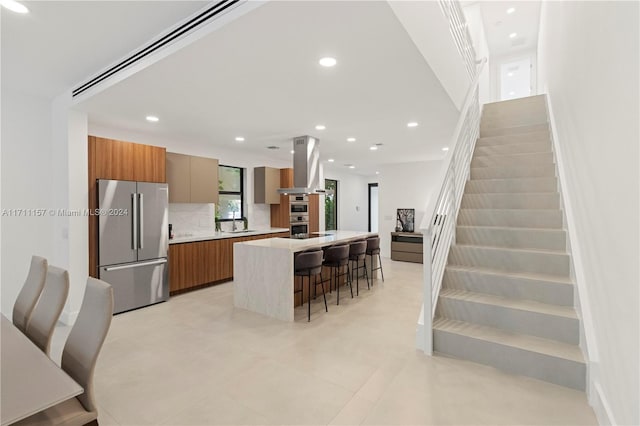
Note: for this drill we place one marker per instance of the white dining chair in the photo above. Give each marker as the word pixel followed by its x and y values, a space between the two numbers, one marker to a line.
pixel 48 309
pixel 79 358
pixel 30 292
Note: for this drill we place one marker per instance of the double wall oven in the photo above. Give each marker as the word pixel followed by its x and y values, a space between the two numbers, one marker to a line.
pixel 299 216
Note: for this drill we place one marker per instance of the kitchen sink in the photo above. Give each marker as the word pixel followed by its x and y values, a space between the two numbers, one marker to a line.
pixel 240 231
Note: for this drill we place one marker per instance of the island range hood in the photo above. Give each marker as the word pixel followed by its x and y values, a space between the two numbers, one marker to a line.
pixel 306 167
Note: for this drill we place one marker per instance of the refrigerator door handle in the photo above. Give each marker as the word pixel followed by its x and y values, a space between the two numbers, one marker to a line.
pixel 134 219
pixel 141 220
pixel 135 265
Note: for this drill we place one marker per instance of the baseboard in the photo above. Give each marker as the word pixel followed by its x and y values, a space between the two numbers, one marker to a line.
pixel 68 318
pixel 600 405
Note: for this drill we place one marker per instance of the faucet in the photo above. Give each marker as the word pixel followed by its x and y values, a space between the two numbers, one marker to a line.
pixel 233 228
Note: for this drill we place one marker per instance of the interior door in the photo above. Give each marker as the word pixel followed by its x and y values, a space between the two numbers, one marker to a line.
pixel 153 226
pixel 116 239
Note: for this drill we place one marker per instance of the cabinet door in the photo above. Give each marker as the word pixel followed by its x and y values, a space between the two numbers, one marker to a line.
pixel 179 177
pixel 114 159
pixel 204 180
pixel 150 164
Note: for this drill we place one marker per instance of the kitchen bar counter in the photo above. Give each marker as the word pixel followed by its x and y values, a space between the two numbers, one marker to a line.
pixel 263 271
pixel 206 236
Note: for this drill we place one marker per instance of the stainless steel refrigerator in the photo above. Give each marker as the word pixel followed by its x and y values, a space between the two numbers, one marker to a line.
pixel 133 239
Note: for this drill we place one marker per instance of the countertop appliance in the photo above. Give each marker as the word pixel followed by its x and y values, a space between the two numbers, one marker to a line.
pixel 133 241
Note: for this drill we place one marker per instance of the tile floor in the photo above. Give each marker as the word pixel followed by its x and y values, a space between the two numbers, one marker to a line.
pixel 196 360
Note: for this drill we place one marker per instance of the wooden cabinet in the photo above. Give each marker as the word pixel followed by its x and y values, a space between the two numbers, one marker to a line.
pixel 280 213
pixel 266 181
pixel 202 263
pixel 113 159
pixel 406 247
pixel 192 179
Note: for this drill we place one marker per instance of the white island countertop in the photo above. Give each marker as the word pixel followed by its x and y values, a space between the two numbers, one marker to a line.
pixel 323 239
pixel 213 235
pixel 263 278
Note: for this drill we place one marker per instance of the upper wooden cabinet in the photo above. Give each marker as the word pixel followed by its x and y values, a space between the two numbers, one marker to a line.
pixel 112 159
pixel 192 179
pixel 266 181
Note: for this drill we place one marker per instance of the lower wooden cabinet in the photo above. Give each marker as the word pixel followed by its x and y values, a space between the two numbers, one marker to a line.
pixel 406 247
pixel 201 263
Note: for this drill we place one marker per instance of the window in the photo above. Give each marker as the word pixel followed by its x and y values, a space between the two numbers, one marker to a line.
pixel 231 193
pixel 331 205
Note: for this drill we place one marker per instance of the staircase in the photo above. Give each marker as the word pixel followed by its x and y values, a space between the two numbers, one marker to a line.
pixel 507 297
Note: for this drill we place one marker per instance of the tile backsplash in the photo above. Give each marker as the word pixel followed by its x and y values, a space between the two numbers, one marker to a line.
pixel 192 218
pixel 200 218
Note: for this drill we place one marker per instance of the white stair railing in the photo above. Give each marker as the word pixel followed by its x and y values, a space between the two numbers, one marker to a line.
pixel 452 12
pixel 439 224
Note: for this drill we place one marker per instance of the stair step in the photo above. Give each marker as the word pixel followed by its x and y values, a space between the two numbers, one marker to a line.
pixel 516 148
pixel 535 201
pixel 539 136
pixel 519 185
pixel 535 159
pixel 519 218
pixel 537 287
pixel 501 131
pixel 544 320
pixel 536 101
pixel 506 172
pixel 511 237
pixel 510 259
pixel 515 353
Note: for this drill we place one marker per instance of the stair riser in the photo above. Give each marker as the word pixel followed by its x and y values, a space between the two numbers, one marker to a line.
pixel 513 130
pixel 512 360
pixel 542 239
pixel 511 201
pixel 520 148
pixel 510 260
pixel 524 160
pixel 509 287
pixel 512 172
pixel 514 119
pixel 528 102
pixel 533 185
pixel 537 324
pixel 542 136
pixel 514 218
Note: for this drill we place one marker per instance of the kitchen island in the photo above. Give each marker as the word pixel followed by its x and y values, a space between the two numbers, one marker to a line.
pixel 263 278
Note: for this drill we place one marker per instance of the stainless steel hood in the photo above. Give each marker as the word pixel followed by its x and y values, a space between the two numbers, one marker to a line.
pixel 306 167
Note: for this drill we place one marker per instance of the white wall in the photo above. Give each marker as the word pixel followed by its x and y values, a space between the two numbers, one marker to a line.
pixel 588 65
pixel 26 184
pixel 405 185
pixel 352 200
pixel 473 15
pixel 497 61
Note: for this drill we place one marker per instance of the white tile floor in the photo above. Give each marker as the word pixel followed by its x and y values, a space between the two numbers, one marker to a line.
pixel 196 360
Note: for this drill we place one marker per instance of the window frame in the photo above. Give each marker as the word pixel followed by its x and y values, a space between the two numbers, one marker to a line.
pixel 241 192
pixel 335 200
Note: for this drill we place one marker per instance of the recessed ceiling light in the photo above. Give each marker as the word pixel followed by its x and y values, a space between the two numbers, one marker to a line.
pixel 152 118
pixel 445 148
pixel 320 127
pixel 14 6
pixel 328 62
pixel 351 139
pixel 352 166
pixel 510 74
pixel 511 10
pixel 512 93
pixel 513 35
pixel 377 173
pixel 239 139
pixel 412 124
pixel 373 147
pixel 293 152
pixel 331 160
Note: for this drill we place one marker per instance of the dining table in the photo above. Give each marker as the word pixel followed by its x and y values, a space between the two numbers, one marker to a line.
pixel 31 381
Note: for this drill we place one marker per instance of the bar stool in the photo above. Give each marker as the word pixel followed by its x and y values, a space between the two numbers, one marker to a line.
pixel 373 248
pixel 357 253
pixel 336 257
pixel 306 264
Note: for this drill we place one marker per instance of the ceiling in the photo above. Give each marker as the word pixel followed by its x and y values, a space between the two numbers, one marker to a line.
pixel 498 25
pixel 59 43
pixel 258 77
